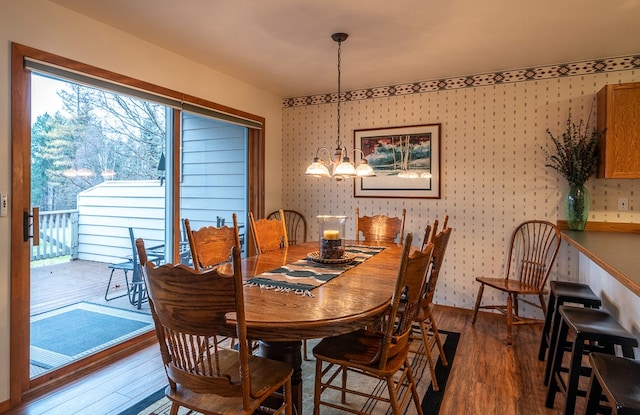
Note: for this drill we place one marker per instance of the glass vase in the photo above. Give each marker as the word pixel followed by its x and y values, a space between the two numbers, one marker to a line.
pixel 332 231
pixel 577 204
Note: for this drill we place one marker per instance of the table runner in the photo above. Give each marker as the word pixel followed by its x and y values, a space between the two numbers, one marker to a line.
pixel 304 275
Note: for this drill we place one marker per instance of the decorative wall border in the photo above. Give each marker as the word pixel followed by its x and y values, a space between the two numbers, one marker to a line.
pixel 493 78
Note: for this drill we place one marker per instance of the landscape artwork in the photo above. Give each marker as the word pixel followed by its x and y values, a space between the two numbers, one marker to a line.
pixel 406 161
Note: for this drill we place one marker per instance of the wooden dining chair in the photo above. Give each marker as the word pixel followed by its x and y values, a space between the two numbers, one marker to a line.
pixel 531 253
pixel 428 329
pixel 189 310
pixel 269 234
pixel 296 225
pixel 379 228
pixel 380 353
pixel 210 245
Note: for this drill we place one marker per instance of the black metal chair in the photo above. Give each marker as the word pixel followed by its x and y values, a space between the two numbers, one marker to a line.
pixel 136 290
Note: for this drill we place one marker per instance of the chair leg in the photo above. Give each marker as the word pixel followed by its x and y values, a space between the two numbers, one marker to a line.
pixel 546 329
pixel 593 396
pixel 126 281
pixel 317 388
pixel 509 320
pixel 478 301
pixel 304 350
pixel 414 389
pixel 436 334
pixel 393 396
pixel 427 349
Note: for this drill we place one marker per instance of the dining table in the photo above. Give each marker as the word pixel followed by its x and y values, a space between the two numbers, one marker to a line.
pixel 281 319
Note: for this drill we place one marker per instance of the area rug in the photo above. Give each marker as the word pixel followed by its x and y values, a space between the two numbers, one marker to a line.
pixel 157 404
pixel 69 333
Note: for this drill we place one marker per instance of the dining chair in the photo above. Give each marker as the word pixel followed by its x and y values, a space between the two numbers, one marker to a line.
pixel 210 245
pixel 269 234
pixel 189 309
pixel 427 328
pixel 531 253
pixel 379 228
pixel 296 225
pixel 381 352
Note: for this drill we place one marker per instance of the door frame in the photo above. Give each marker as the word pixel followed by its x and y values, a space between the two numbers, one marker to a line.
pixel 20 382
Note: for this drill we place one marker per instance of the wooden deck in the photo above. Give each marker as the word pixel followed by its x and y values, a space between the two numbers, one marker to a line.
pixel 59 285
pixel 71 282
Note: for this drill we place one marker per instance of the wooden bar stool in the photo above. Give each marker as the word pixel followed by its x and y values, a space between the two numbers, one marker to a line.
pixel 618 379
pixel 592 328
pixel 561 292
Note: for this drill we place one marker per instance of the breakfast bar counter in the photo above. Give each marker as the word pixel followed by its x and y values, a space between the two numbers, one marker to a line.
pixel 618 253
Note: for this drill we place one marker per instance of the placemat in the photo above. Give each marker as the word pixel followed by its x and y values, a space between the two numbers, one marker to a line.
pixel 304 275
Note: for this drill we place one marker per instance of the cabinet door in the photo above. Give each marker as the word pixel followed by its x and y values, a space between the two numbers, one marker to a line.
pixel 619 113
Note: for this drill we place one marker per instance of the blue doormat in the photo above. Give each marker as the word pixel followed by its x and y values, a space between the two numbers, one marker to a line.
pixel 68 333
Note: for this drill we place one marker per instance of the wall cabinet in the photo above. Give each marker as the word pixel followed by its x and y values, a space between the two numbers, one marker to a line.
pixel 619 113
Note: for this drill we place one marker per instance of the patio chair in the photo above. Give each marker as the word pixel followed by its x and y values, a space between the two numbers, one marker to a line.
pixel 135 288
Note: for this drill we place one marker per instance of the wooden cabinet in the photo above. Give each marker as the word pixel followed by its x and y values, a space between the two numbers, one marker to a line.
pixel 619 113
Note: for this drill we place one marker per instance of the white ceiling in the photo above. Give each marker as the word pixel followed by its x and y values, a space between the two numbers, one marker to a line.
pixel 285 46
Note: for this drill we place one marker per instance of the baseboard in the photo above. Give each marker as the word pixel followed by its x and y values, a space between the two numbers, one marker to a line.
pixel 5 406
pixel 604 226
pixel 484 314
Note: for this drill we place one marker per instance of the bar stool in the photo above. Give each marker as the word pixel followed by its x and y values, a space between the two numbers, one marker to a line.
pixel 618 378
pixel 591 327
pixel 561 292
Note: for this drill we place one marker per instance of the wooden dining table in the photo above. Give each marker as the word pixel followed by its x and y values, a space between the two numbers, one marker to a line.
pixel 280 320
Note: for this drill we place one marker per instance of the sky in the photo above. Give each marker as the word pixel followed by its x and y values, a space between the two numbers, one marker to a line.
pixel 44 97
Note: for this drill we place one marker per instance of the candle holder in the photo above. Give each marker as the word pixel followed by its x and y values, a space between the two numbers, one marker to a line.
pixel 331 237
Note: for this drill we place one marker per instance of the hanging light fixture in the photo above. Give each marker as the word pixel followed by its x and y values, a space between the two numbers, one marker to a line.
pixel 340 163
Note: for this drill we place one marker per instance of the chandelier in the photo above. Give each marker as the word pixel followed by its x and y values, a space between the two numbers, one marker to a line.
pixel 339 161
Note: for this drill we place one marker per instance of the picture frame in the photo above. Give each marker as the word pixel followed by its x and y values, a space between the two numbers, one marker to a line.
pixel 406 161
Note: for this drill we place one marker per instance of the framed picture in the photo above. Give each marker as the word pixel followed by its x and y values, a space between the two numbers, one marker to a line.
pixel 406 161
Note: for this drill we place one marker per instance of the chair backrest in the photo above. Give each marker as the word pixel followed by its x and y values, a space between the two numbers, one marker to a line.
pixel 532 251
pixel 440 242
pixel 406 299
pixel 379 228
pixel 269 234
pixel 188 309
pixel 137 271
pixel 296 225
pixel 212 245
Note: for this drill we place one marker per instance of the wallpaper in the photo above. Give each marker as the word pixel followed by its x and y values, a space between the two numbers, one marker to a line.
pixel 493 173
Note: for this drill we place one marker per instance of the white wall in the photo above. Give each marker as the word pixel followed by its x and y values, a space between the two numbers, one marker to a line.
pixel 493 169
pixel 621 302
pixel 49 27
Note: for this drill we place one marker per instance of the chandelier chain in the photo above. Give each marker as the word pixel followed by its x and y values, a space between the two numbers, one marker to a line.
pixel 338 142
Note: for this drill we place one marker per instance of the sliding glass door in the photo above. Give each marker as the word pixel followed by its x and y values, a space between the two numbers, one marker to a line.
pixel 214 173
pixel 97 182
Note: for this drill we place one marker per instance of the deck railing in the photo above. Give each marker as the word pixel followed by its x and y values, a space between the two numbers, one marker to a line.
pixel 58 235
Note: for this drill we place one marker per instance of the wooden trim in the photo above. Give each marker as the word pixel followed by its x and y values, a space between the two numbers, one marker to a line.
pixel 256 192
pixel 20 383
pixel 604 226
pixel 20 203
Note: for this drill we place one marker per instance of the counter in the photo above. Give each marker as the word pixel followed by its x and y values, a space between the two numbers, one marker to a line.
pixel 617 253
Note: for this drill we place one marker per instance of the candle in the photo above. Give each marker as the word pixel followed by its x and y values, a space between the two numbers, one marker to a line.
pixel 331 234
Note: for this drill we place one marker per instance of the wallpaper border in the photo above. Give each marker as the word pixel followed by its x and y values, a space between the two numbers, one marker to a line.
pixel 503 77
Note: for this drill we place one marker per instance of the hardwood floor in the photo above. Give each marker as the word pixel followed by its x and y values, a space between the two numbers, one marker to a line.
pixel 487 376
